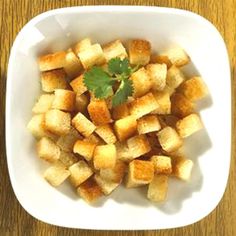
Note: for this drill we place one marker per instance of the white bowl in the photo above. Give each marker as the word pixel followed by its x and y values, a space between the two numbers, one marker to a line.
pixel 124 209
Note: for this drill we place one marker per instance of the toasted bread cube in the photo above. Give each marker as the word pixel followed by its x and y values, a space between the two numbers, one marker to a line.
pixel 78 85
pixel 48 150
pixel 52 61
pixel 157 74
pixel 90 191
pixel 106 133
pixel 141 82
pixel 85 149
pixel 79 172
pixel 168 120
pixel 83 125
pixel 189 125
pixel 123 152
pixel 169 139
pixel 120 111
pixel 183 168
pixel 157 189
pixel 139 173
pixel 138 145
pixel 164 103
pixel 81 102
pixel 93 138
pixel 99 112
pixel 92 56
pixel 139 52
pixel 160 59
pixel 56 174
pixel 57 122
pixel 54 79
pixel 82 45
pixel 114 49
pixel 181 106
pixel 147 124
pixel 162 164
pixel 143 105
pixel 44 103
pixel 64 100
pixel 104 156
pixel 194 89
pixel 67 158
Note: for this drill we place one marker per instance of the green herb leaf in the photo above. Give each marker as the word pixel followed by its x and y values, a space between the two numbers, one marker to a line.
pixel 116 66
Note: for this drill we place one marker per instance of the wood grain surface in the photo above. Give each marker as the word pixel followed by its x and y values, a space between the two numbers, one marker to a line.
pixel 14 220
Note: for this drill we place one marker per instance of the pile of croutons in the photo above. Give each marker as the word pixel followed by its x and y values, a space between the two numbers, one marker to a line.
pixel 97 146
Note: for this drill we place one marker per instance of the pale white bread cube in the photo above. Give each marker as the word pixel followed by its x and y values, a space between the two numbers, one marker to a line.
pixel 125 127
pixel 106 133
pixel 143 105
pixel 139 173
pixel 82 45
pixel 194 89
pixel 56 174
pixel 141 82
pixel 92 56
pixel 83 124
pixel 58 122
pixel 147 124
pixel 120 111
pixel 81 102
pixel 164 103
pixel 104 156
pixel 52 61
pixel 64 100
pixel 68 159
pixel 54 79
pixel 93 138
pixel 157 189
pixel 43 104
pixel 114 49
pixel 139 52
pixel 138 145
pixel 161 59
pixel 169 139
pixel 79 172
pixel 157 73
pixel 84 148
pixel 123 152
pixel 48 150
pixel 78 85
pixel 189 125
pixel 162 164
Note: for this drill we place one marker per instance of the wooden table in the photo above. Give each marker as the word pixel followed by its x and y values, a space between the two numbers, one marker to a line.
pixel 13 219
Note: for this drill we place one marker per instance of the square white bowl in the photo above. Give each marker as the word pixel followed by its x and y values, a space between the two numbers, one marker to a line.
pixel 124 209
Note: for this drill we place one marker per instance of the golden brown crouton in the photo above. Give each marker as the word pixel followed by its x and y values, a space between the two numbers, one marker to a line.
pixel 157 189
pixel 104 156
pixel 83 125
pixel 120 111
pixel 139 173
pixel 78 85
pixel 67 158
pixel 84 148
pixel 147 124
pixel 81 102
pixel 54 79
pixel 44 103
pixel 57 122
pixel 106 133
pixel 93 138
pixel 160 59
pixel 168 120
pixel 162 164
pixel 82 45
pixel 139 52
pixel 164 103
pixel 52 61
pixel 123 152
pixel 182 168
pixel 79 172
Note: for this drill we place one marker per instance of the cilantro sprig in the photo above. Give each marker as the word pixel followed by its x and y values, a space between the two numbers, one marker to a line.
pixel 100 82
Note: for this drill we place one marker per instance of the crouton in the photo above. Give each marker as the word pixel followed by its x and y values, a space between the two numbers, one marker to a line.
pixel 138 145
pixel 157 189
pixel 143 105
pixel 67 158
pixel 139 52
pixel 92 56
pixel 99 112
pixel 84 148
pixel 160 59
pixel 114 49
pixel 56 174
pixel 57 122
pixel 162 164
pixel 120 111
pixel 82 45
pixel 169 139
pixel 139 173
pixel 54 79
pixel 48 150
pixel 147 124
pixel 157 74
pixel 78 85
pixel 79 172
pixel 104 156
pixel 182 168
pixel 81 102
pixel 106 133
pixel 90 191
pixel 83 125
pixel 123 152
pixel 125 127
pixel 189 125
pixel 168 120
pixel 194 89
pixel 52 61
pixel 43 104
pixel 64 100
pixel 181 106
pixel 93 138
pixel 141 82
pixel 164 103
